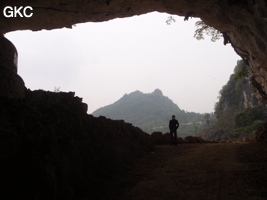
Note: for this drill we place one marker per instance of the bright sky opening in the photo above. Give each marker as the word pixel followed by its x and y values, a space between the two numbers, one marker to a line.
pixel 101 62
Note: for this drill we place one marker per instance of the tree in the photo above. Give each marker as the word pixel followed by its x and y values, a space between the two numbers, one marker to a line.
pixel 202 29
pixel 56 89
pixel 207 118
pixel 241 70
pixel 170 20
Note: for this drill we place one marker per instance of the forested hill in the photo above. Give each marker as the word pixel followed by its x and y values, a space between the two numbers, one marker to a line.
pixel 150 112
pixel 238 111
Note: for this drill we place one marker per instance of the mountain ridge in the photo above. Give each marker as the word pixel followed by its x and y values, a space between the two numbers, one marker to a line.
pixel 148 111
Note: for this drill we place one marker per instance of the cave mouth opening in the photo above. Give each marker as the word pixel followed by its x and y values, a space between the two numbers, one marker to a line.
pixel 103 61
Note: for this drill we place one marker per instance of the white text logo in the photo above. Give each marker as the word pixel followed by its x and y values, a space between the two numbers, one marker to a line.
pixel 15 11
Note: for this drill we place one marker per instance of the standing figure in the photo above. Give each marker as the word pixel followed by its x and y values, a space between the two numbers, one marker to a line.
pixel 173 126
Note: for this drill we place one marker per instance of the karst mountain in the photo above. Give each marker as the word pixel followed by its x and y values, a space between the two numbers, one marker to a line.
pixel 150 111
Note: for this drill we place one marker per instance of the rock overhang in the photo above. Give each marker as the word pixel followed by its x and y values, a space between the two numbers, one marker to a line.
pixel 52 14
pixel 243 23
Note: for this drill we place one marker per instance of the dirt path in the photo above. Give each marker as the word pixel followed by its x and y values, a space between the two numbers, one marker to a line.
pixel 221 171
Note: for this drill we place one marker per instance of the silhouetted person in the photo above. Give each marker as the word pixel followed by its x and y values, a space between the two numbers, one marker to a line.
pixel 173 126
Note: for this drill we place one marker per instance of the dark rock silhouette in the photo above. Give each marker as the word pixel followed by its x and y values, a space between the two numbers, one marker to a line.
pixel 261 134
pixel 51 149
pixel 159 138
pixel 11 84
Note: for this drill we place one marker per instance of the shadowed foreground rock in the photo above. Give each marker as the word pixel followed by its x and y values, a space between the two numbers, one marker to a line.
pixel 159 138
pixel 51 149
pixel 11 84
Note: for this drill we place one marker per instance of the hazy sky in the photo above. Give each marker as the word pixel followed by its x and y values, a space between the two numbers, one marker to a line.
pixel 103 61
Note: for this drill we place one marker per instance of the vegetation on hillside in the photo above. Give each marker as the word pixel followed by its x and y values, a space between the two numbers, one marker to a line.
pixel 152 112
pixel 238 111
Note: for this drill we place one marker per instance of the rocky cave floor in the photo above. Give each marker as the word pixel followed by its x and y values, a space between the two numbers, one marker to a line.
pixel 50 148
pixel 194 172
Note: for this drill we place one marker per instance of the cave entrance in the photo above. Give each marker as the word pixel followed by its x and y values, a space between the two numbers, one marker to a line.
pixel 103 61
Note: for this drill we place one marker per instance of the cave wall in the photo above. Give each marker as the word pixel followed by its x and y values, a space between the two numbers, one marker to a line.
pixel 242 22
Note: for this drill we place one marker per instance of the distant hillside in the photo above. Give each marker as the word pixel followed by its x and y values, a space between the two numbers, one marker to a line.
pixel 151 112
pixel 238 112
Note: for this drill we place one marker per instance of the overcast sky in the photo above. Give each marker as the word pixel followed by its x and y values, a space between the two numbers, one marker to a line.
pixel 103 61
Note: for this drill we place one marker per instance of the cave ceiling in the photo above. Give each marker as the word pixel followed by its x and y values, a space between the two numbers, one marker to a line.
pixel 51 14
pixel 242 22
